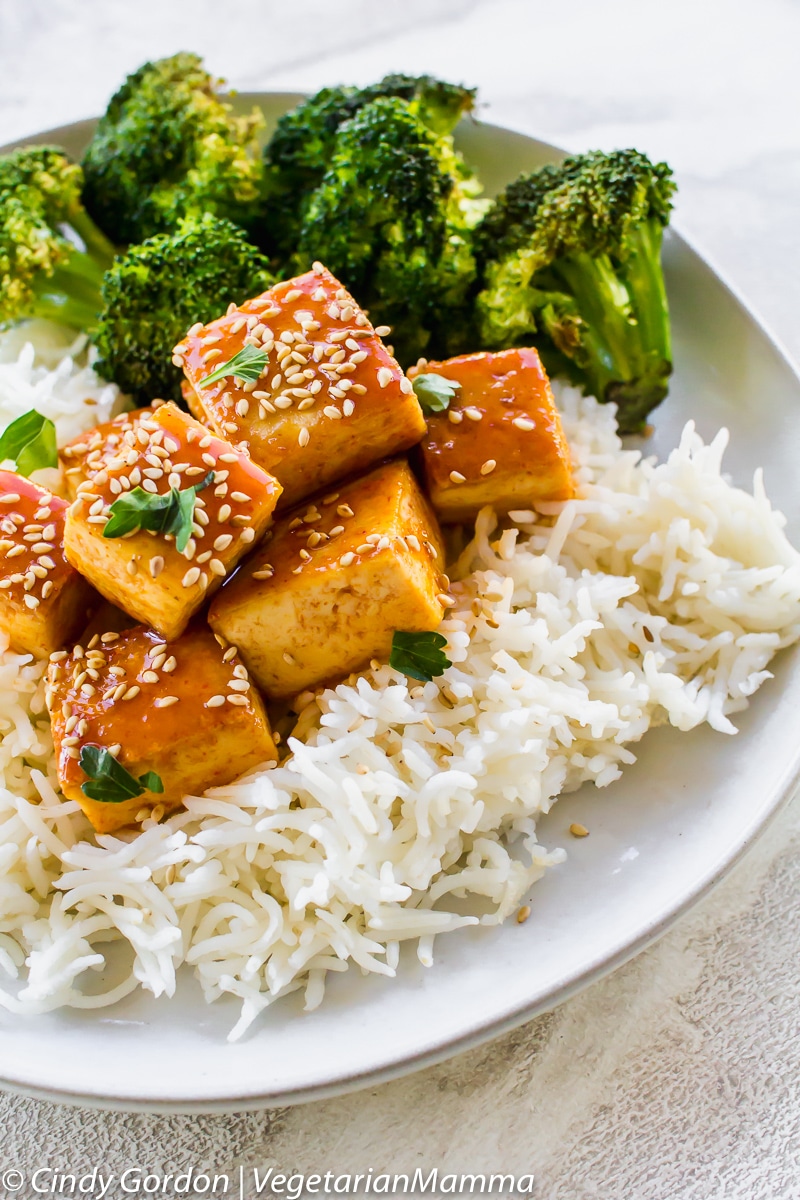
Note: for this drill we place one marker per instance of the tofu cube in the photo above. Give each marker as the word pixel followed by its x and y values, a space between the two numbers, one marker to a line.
pixel 84 456
pixel 44 602
pixel 333 581
pixel 500 442
pixel 143 572
pixel 331 402
pixel 184 709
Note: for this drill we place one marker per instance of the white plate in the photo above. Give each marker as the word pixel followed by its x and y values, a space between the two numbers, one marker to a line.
pixel 660 838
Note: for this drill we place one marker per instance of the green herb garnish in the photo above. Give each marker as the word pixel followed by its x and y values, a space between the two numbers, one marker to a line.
pixel 435 392
pixel 171 513
pixel 247 364
pixel 108 779
pixel 419 655
pixel 31 442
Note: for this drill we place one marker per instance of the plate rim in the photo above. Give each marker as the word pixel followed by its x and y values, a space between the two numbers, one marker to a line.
pixel 481 1032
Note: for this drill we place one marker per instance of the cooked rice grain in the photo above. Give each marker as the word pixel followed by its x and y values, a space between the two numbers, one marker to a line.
pixel 659 595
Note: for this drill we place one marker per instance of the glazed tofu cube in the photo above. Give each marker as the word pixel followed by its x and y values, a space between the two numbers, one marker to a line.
pixel 44 602
pixel 331 401
pixel 143 572
pixel 334 581
pixel 84 456
pixel 500 442
pixel 184 709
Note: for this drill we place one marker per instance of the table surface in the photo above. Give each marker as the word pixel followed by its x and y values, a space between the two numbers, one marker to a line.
pixel 677 1076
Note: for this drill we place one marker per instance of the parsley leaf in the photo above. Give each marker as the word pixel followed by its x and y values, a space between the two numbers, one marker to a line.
pixel 171 513
pixel 435 392
pixel 419 654
pixel 108 779
pixel 247 364
pixel 31 442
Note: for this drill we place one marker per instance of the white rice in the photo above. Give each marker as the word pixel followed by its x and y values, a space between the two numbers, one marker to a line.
pixel 47 367
pixel 402 799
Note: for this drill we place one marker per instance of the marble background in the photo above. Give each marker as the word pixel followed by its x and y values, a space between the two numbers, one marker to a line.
pixel 677 1078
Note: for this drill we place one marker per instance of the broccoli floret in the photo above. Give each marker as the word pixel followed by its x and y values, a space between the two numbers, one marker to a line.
pixel 168 147
pixel 572 253
pixel 154 292
pixel 299 152
pixel 391 219
pixel 52 256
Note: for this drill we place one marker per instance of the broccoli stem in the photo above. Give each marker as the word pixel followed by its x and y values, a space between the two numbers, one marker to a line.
pixel 645 283
pixel 71 294
pixel 98 247
pixel 607 348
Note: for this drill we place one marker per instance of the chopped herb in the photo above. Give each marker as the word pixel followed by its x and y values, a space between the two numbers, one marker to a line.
pixel 171 513
pixel 435 392
pixel 31 442
pixel 247 364
pixel 108 779
pixel 419 655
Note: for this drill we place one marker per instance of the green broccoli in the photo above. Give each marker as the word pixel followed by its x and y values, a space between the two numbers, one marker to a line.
pixel 572 253
pixel 169 147
pixel 391 218
pixel 52 256
pixel 299 152
pixel 154 292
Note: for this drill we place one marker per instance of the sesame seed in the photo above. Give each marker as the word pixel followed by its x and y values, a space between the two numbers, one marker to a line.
pixel 303 437
pixel 287 658
pixel 523 913
pixel 132 692
pixel 107 638
pixel 364 548
pixel 228 655
pixel 216 567
pixel 577 830
pixel 31 602
pixel 406 386
pixel 445 600
pixel 247 535
pixel 239 685
pixel 293 295
pixel 263 573
pixel 474 414
pixel 344 510
pixel 348 408
pixel 524 423
pixel 331 411
pixel 347 559
pixel 457 477
pixel 191 577
pixel 224 513
pixel 240 497
pixel 337 529
pixel 166 701
pixel 215 702
pixel 237 700
pixel 211 354
pixel 488 466
pixel 454 416
pixel 383 330
pixel 170 665
pixel 156 566
pixel 384 377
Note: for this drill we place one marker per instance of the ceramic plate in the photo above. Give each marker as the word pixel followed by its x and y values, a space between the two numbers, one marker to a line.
pixel 660 838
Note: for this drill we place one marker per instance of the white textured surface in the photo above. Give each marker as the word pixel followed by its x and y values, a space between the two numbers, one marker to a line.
pixel 676 1078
